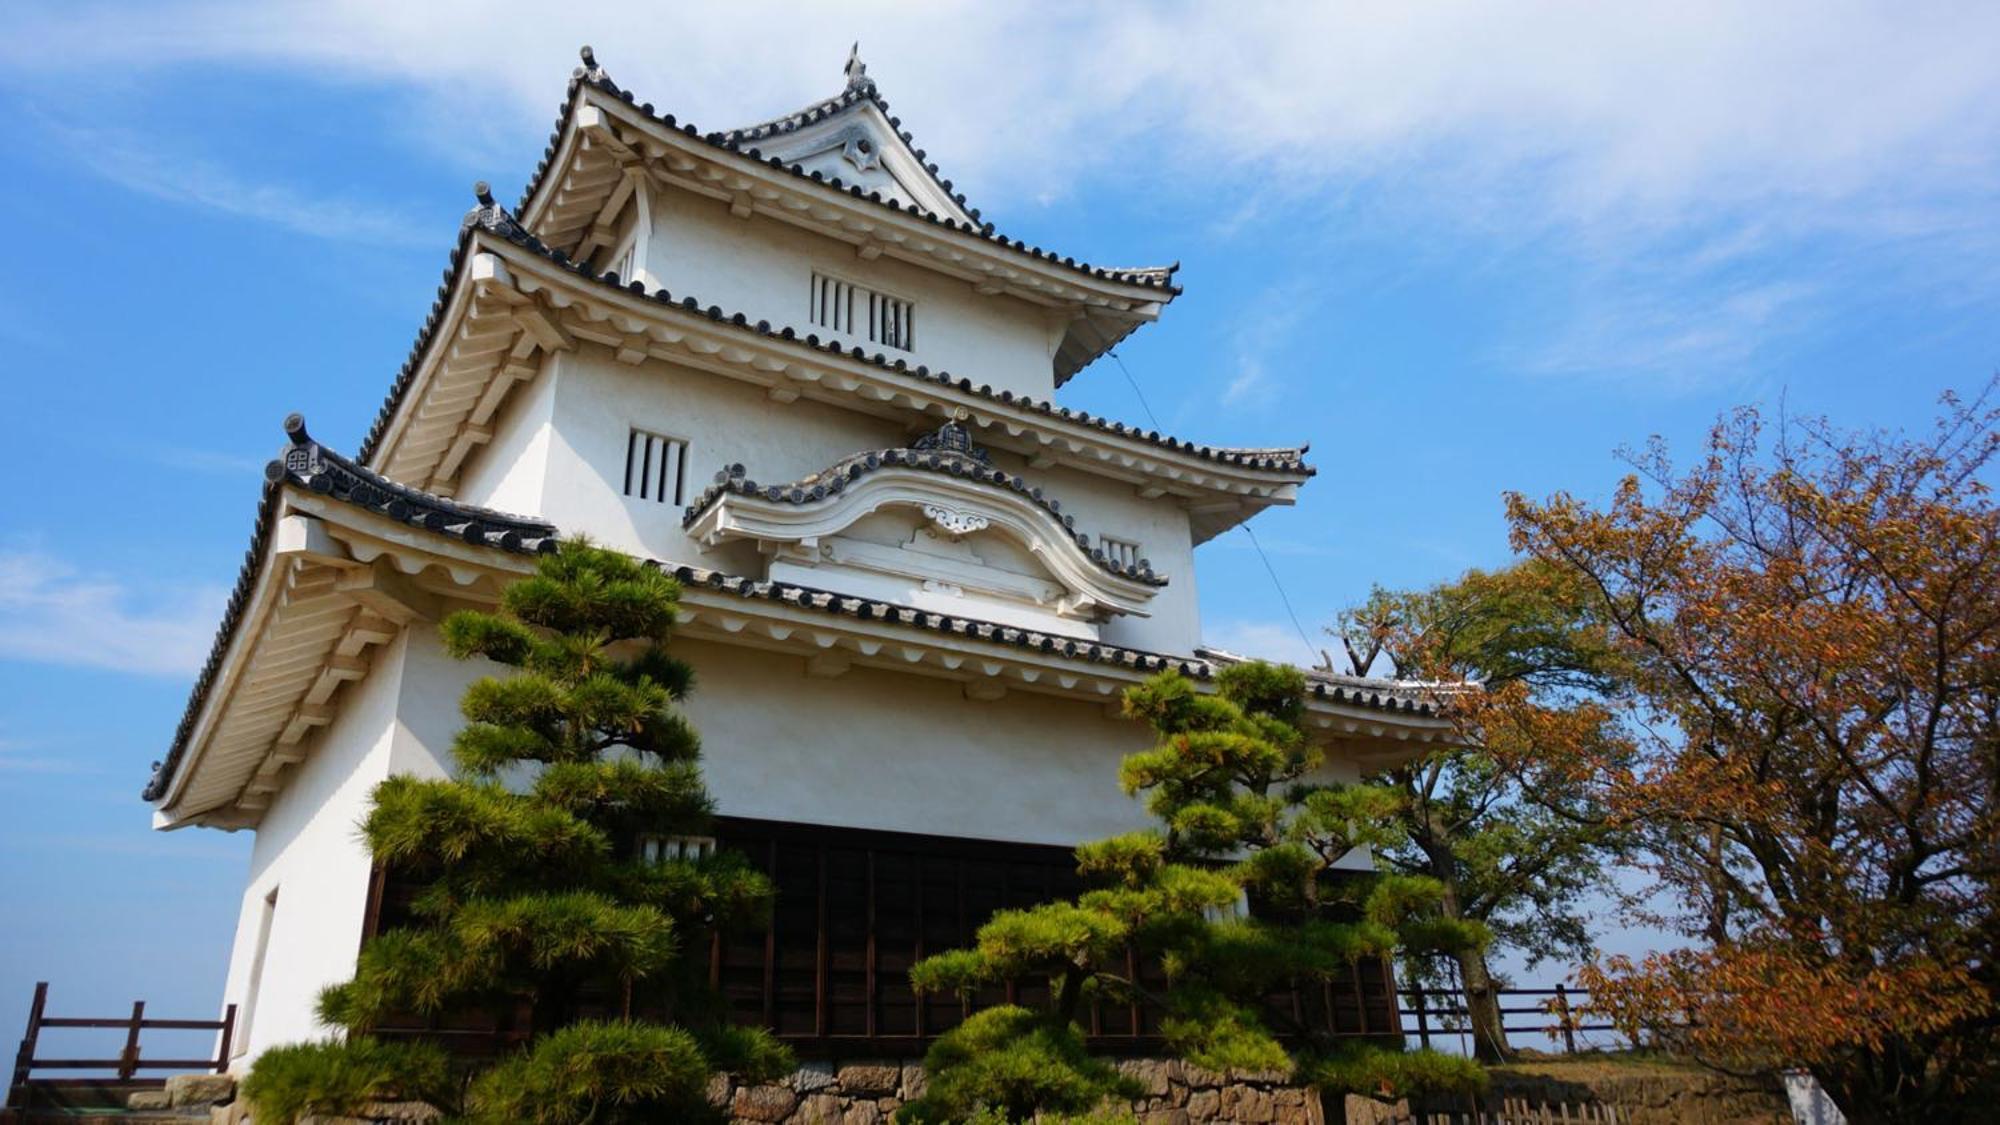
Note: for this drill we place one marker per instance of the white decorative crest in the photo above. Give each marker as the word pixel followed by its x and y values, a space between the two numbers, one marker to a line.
pixel 954 522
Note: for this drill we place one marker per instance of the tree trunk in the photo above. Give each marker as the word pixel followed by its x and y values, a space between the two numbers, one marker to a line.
pixel 1482 999
pixel 1482 1006
pixel 1897 1086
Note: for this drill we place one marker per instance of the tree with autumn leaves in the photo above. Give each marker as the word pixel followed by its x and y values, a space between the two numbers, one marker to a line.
pixel 1508 850
pixel 1810 624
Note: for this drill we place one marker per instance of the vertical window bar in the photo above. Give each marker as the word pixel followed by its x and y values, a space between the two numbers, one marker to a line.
pixel 646 467
pixel 631 447
pixel 666 465
pixel 680 474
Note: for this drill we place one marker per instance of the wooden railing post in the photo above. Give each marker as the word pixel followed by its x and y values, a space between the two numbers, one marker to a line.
pixel 1568 1023
pixel 228 1031
pixel 128 1059
pixel 24 1060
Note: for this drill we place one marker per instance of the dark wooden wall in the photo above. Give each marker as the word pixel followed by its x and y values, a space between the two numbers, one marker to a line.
pixel 855 909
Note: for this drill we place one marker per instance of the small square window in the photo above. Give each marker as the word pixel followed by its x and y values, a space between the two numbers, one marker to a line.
pixel 654 850
pixel 655 467
pixel 857 310
pixel 1122 553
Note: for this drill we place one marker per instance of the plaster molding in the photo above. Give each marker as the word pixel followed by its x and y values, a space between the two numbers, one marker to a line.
pixel 965 507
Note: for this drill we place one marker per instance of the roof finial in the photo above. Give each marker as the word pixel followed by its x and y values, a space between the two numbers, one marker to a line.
pixel 857 71
pixel 482 192
pixel 590 69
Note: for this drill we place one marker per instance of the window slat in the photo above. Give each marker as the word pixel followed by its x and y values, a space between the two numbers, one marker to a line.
pixel 855 309
pixel 655 467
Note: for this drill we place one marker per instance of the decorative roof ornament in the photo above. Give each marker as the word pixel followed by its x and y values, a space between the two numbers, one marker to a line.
pixel 953 438
pixel 856 70
pixel 590 69
pixel 488 214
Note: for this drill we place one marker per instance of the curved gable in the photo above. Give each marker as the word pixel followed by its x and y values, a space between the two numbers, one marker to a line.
pixel 932 525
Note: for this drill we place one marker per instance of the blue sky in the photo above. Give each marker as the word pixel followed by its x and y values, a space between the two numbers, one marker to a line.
pixel 1459 248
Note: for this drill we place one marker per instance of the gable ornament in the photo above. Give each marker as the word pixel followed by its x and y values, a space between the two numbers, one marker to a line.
pixel 954 522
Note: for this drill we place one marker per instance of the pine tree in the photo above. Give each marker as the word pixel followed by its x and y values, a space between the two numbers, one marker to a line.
pixel 551 873
pixel 1241 822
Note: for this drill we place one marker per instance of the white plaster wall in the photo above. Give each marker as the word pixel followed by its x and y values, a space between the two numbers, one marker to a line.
pixel 877 749
pixel 561 455
pixel 507 474
pixel 309 849
pixel 762 267
pixel 868 749
pixel 880 749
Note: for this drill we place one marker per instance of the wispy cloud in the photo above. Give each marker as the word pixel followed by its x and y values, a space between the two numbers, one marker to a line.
pixel 1676 337
pixel 1268 640
pixel 1262 331
pixel 1666 108
pixel 190 180
pixel 52 612
pixel 1604 138
pixel 18 757
pixel 207 461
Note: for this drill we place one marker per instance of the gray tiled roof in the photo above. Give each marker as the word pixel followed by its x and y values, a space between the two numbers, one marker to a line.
pixel 305 463
pixel 489 216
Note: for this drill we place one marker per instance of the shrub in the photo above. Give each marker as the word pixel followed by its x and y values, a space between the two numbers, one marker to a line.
pixel 603 1073
pixel 335 1077
pixel 1004 1064
pixel 1380 1071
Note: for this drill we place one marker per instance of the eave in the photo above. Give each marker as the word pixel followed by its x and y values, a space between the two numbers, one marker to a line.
pixel 344 560
pixel 508 301
pixel 604 138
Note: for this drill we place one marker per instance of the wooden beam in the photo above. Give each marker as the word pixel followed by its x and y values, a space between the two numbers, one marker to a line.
pixel 388 593
pixel 826 665
pixel 537 322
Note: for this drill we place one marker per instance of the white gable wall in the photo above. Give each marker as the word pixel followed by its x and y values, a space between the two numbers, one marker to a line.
pixel 309 850
pixel 762 268
pixel 509 474
pixel 561 455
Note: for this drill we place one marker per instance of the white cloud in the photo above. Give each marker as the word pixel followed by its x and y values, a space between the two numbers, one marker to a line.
pixel 1606 106
pixel 1268 640
pixel 22 757
pixel 208 461
pixel 1652 149
pixel 1677 336
pixel 1251 384
pixel 181 178
pixel 53 613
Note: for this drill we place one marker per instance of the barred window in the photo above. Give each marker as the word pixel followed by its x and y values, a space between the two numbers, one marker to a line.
pixel 655 850
pixel 857 310
pixel 1121 552
pixel 655 467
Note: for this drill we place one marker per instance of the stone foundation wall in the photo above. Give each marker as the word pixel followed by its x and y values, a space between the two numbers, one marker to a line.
pixel 868 1093
pixel 1649 1094
pixel 1642 1093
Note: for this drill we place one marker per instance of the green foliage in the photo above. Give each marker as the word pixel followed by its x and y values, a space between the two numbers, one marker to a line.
pixel 336 1077
pixel 1376 1070
pixel 532 884
pixel 1007 1063
pixel 1517 846
pixel 752 1054
pixel 603 1073
pixel 1230 782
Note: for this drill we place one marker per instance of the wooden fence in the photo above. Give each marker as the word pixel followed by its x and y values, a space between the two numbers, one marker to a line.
pixel 1510 1111
pixel 129 1062
pixel 1441 1013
